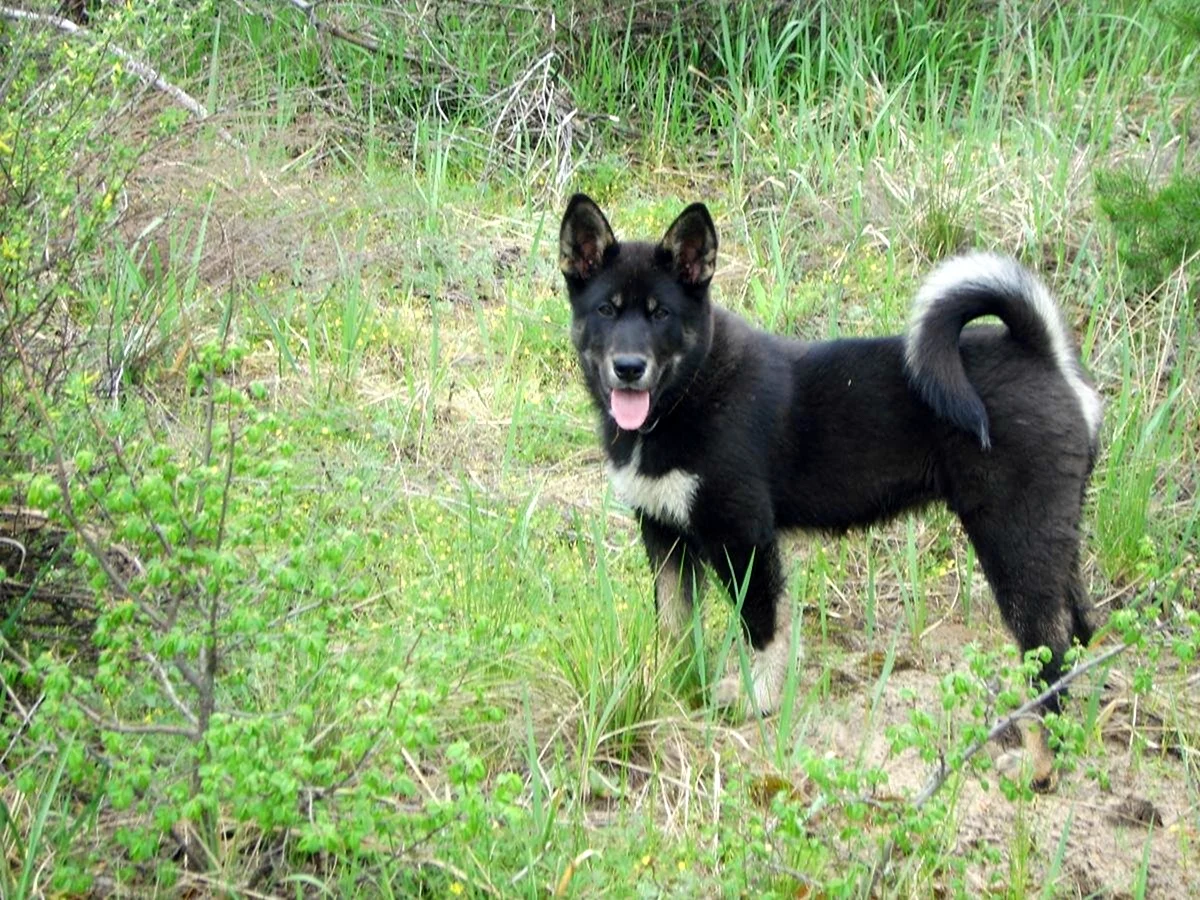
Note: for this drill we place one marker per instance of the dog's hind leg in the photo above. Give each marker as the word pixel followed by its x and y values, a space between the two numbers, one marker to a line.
pixel 1081 608
pixel 1037 616
pixel 677 570
pixel 754 577
pixel 1028 545
pixel 1032 569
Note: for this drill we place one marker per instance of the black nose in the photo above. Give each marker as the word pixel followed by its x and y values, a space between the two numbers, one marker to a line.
pixel 629 368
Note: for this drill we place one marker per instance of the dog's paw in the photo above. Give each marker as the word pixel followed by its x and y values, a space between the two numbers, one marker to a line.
pixel 730 694
pixel 768 675
pixel 1047 784
pixel 1012 764
pixel 1032 765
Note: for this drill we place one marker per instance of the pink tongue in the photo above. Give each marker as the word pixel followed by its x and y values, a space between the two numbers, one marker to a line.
pixel 630 408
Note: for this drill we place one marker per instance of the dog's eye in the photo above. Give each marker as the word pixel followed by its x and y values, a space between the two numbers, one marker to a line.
pixel 660 313
pixel 607 310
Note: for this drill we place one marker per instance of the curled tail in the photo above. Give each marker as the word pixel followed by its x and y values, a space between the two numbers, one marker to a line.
pixel 980 284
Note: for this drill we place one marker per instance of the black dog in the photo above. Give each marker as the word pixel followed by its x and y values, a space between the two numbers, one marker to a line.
pixel 721 436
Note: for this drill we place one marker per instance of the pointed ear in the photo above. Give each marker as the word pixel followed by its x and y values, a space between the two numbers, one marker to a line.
pixel 689 248
pixel 583 239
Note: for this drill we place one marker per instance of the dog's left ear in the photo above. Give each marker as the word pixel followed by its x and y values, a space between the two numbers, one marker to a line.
pixel 584 239
pixel 689 248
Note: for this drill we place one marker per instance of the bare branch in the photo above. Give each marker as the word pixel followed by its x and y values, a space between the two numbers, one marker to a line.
pixel 98 718
pixel 164 679
pixel 147 73
pixel 365 41
pixel 943 773
pixel 112 725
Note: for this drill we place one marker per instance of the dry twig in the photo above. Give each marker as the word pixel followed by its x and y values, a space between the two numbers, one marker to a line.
pixel 147 73
pixel 333 29
pixel 943 772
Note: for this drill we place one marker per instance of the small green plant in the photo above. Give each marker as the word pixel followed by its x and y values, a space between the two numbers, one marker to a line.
pixel 603 657
pixel 1157 229
pixel 23 846
pixel 943 230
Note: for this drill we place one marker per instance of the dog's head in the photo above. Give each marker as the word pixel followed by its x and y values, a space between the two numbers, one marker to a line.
pixel 641 317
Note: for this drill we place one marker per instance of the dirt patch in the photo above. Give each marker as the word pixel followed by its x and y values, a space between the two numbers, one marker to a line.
pixel 1136 836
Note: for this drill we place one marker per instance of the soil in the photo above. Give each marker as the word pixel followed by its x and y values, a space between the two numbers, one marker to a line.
pixel 1141 828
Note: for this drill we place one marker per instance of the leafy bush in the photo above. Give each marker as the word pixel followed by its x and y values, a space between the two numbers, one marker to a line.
pixel 1157 230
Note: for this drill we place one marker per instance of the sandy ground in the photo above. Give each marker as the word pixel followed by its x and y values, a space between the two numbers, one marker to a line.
pixel 1142 828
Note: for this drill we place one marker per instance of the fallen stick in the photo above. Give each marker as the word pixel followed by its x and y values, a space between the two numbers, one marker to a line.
pixel 147 73
pixel 943 773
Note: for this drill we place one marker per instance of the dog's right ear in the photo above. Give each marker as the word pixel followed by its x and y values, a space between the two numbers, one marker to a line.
pixel 584 239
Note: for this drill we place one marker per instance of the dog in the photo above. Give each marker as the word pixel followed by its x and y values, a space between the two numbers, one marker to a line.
pixel 721 436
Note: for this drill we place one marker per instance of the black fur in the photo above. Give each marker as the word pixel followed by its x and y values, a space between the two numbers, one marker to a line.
pixel 783 434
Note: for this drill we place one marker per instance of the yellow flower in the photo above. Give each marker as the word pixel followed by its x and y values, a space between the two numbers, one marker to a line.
pixel 456 888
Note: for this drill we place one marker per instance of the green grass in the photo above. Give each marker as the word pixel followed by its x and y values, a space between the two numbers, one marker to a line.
pixel 319 388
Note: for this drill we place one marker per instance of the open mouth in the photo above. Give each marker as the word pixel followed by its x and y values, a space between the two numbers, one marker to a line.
pixel 629 408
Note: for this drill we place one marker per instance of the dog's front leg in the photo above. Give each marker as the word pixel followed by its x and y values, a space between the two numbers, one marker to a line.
pixel 754 578
pixel 677 572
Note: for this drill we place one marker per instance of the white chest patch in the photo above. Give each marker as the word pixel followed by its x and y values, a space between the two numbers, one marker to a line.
pixel 667 498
